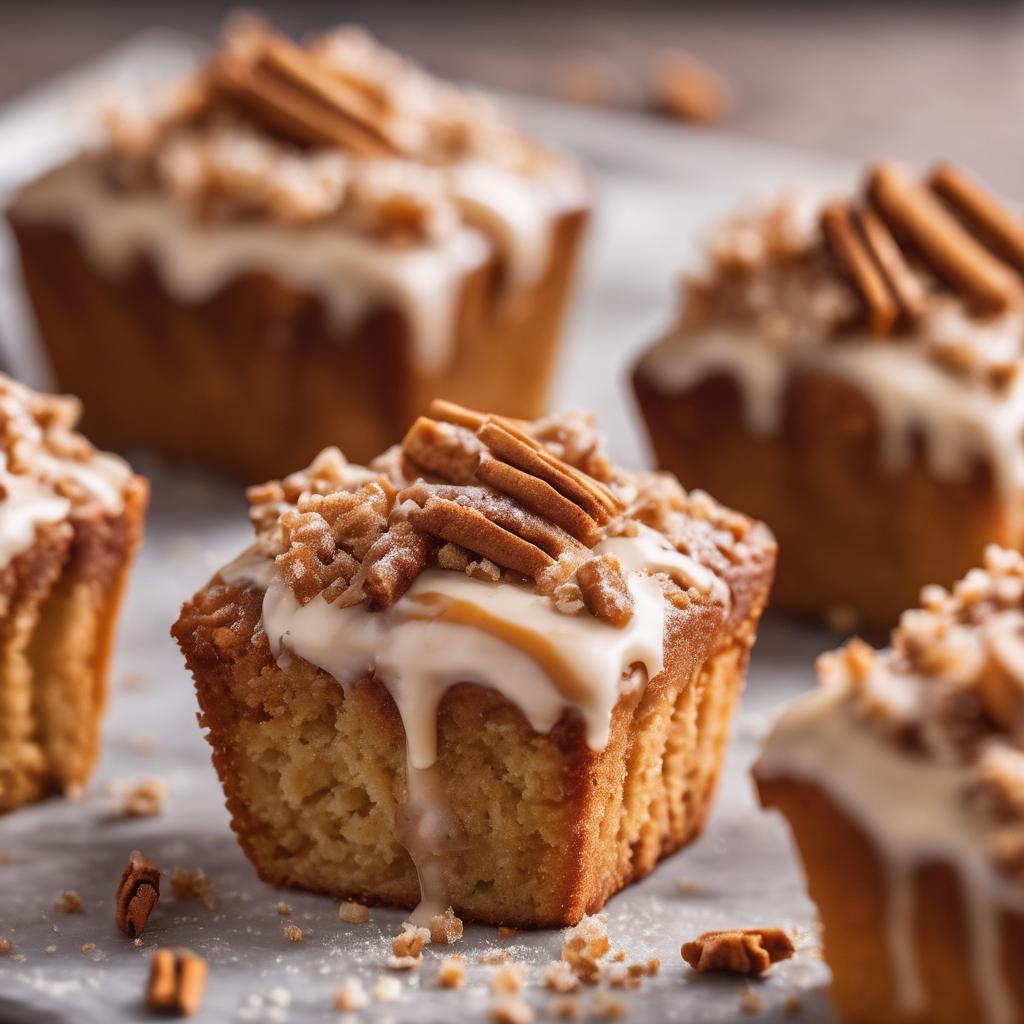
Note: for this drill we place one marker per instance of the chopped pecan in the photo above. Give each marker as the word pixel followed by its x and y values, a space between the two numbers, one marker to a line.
pixel 904 284
pixel 177 980
pixel 742 951
pixel 137 894
pixel 457 414
pixel 916 214
pixel 398 557
pixel 604 590
pixel 440 449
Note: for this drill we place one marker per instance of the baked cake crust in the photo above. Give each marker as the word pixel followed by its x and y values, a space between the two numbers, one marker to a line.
pixel 368 257
pixel 541 824
pixel 852 377
pixel 901 780
pixel 60 591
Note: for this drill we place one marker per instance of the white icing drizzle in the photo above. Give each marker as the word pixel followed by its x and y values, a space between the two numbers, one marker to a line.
pixel 961 419
pixel 27 503
pixel 542 660
pixel 914 811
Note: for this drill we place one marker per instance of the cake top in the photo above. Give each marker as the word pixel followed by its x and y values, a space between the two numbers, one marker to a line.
pixel 341 130
pixel 950 690
pixel 939 261
pixel 494 499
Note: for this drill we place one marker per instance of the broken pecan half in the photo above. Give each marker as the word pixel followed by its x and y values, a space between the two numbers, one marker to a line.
pixel 177 980
pixel 137 894
pixel 743 951
pixel 604 590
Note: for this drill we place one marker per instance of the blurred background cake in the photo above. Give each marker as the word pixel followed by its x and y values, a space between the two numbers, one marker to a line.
pixel 491 671
pixel 902 779
pixel 848 371
pixel 70 522
pixel 297 246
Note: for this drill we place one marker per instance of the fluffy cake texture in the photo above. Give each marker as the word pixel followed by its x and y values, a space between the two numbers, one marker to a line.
pixel 902 779
pixel 555 647
pixel 326 221
pixel 848 370
pixel 70 522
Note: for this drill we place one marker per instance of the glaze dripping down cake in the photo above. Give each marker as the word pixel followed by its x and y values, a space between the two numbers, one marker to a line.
pixel 323 221
pixel 848 370
pixel 902 778
pixel 491 670
pixel 70 522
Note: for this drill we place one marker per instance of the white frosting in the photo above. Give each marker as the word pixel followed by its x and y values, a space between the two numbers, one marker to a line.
pixel 960 419
pixel 27 503
pixel 913 810
pixel 348 272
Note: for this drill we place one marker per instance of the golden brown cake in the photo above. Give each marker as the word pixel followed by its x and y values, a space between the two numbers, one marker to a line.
pixel 491 670
pixel 299 247
pixel 848 370
pixel 902 778
pixel 70 522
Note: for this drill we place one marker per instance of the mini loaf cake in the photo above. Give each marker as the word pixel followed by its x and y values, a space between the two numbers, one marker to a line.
pixel 903 780
pixel 849 372
pixel 70 522
pixel 491 671
pixel 311 243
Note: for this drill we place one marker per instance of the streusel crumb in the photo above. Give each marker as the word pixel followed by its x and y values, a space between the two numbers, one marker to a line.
pixel 584 945
pixel 560 977
pixel 445 928
pixel 452 972
pixel 411 941
pixel 293 933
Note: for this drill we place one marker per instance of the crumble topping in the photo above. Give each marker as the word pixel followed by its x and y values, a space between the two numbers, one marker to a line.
pixel 941 260
pixel 340 130
pixel 491 497
pixel 951 688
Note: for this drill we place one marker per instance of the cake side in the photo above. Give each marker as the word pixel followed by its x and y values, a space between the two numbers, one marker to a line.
pixel 542 794
pixel 70 522
pixel 836 368
pixel 330 213
pixel 903 772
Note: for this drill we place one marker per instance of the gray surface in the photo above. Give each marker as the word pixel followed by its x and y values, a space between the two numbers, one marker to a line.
pixel 658 187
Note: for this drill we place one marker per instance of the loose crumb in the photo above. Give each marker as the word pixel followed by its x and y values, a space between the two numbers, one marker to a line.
pixel 685 886
pixel 137 942
pixel 685 89
pixel 619 955
pixel 410 942
pixel 452 972
pixel 353 913
pixel 560 977
pixel 507 933
pixel 509 1010
pixel 387 990
pixel 751 1002
pixel 445 928
pixel 566 1008
pixel 283 909
pixel 144 799
pixel 793 1006
pixel 610 1007
pixel 194 884
pixel 50 949
pixel 69 902
pixel 351 995
pixel 507 980
pixel 584 945
pixel 293 933
pixel 88 948
pixel 19 958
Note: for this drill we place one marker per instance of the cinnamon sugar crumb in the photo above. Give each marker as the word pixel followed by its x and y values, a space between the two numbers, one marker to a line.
pixel 353 913
pixel 410 942
pixel 566 1008
pixel 194 884
pixel 293 933
pixel 144 799
pixel 351 996
pixel 445 928
pixel 452 972
pixel 559 977
pixel 509 1010
pixel 507 980
pixel 69 902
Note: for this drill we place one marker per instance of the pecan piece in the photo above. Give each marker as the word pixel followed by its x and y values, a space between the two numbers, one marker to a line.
pixel 460 524
pixel 137 894
pixel 393 563
pixel 604 590
pixel 177 980
pixel 445 450
pixel 742 951
pixel 457 414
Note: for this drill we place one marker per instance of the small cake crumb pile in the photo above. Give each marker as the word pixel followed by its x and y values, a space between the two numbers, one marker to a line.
pixel 353 913
pixel 585 945
pixel 69 902
pixel 194 884
pixel 445 928
pixel 560 977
